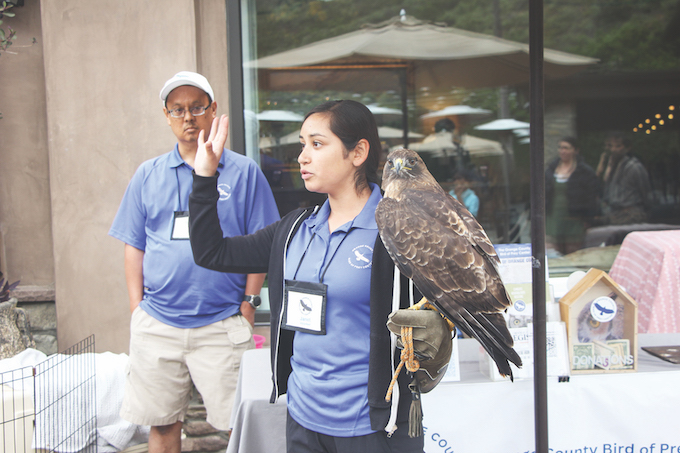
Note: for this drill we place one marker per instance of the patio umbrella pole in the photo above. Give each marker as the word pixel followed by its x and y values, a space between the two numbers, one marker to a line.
pixel 538 224
pixel 403 82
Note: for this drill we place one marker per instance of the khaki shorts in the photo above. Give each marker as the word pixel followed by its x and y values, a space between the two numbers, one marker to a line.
pixel 164 360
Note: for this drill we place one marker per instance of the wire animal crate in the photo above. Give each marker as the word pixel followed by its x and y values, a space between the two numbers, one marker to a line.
pixel 51 407
pixel 16 390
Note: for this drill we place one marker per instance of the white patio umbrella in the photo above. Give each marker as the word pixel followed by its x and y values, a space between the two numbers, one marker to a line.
pixel 279 115
pixel 386 132
pixel 522 136
pixel 288 139
pixel 455 110
pixel 276 118
pixel 438 143
pixel 504 124
pixel 439 56
pixel 378 110
pixel 403 52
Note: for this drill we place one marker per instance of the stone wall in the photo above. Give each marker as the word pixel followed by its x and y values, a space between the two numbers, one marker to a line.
pixel 198 435
pixel 38 303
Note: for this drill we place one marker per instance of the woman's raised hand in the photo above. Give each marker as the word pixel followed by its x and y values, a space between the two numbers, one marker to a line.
pixel 209 152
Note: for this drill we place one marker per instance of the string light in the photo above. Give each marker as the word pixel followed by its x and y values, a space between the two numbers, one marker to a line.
pixel 647 125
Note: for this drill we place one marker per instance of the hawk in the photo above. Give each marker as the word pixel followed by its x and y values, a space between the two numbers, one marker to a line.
pixel 437 243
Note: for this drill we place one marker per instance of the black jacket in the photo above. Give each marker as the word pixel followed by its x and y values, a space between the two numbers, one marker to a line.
pixel 583 189
pixel 264 251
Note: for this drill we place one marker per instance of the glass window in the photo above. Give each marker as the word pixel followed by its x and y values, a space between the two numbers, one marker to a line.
pixel 611 91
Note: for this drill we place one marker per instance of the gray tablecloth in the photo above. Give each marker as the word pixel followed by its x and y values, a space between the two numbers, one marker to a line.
pixel 257 425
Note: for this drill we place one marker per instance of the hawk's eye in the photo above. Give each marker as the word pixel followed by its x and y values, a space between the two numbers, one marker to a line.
pixel 390 163
pixel 411 162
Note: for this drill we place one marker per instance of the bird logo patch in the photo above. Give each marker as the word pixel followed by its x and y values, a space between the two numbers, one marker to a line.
pixel 603 309
pixel 224 190
pixel 361 257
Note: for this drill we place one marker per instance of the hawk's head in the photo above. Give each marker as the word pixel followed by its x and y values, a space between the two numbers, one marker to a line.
pixel 405 169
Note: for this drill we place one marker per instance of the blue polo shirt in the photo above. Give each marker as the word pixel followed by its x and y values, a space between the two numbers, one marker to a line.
pixel 328 388
pixel 176 290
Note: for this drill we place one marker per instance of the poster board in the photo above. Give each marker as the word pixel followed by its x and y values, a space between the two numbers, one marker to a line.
pixel 515 271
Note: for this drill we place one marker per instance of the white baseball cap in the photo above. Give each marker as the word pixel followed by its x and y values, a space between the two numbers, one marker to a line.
pixel 187 78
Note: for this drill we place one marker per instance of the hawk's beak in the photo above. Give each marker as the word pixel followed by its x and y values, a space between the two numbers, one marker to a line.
pixel 398 165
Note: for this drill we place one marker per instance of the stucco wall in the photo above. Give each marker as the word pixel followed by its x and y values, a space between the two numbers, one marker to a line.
pixel 82 115
pixel 25 232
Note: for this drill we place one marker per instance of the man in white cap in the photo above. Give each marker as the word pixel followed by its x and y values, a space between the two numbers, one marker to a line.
pixel 188 323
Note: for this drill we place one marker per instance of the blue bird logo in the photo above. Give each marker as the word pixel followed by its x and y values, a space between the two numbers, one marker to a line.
pixel 603 310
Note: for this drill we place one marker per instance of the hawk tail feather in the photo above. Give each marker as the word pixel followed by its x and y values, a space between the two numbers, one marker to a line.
pixel 492 340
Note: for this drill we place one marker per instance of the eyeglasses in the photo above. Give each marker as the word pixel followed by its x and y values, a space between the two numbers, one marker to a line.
pixel 195 111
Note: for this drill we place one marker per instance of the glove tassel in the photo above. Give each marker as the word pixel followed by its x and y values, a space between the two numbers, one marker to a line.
pixel 415 415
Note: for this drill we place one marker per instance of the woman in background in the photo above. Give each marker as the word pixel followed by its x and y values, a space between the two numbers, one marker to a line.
pixel 571 196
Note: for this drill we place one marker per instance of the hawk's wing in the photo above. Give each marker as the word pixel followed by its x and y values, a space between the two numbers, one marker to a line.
pixel 437 243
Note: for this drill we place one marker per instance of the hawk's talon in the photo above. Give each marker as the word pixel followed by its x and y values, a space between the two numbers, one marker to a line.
pixel 425 304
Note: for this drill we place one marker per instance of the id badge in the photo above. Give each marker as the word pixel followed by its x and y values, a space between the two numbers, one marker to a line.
pixel 304 307
pixel 180 226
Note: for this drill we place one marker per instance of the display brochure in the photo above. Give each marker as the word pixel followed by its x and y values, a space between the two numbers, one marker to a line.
pixel 515 271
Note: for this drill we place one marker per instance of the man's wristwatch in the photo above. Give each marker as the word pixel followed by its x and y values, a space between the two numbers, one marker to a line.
pixel 253 300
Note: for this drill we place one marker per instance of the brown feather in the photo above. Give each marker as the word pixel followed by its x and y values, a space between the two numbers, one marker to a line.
pixel 435 241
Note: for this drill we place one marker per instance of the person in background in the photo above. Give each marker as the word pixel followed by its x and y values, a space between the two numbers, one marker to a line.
pixel 626 183
pixel 463 182
pixel 188 323
pixel 335 362
pixel 571 189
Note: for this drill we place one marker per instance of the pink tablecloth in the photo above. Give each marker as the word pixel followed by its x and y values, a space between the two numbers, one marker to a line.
pixel 648 268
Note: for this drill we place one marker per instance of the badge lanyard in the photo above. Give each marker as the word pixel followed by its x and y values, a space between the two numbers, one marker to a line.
pixel 180 219
pixel 323 274
pixel 305 302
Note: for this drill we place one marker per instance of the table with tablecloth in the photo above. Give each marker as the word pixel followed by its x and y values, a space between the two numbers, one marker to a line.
pixel 257 425
pixel 615 234
pixel 588 413
pixel 648 268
